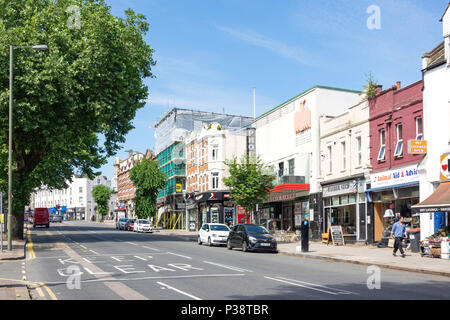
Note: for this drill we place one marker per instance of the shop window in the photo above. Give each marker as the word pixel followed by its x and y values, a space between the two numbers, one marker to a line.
pixel 344 199
pixel 419 129
pixel 352 198
pixel 382 152
pixel 362 197
pixel 399 146
pixel 346 217
pixel 335 201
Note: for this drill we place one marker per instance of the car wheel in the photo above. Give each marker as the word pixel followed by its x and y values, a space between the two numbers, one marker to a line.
pixel 229 247
pixel 199 240
pixel 209 242
pixel 48 225
pixel 34 226
pixel 244 246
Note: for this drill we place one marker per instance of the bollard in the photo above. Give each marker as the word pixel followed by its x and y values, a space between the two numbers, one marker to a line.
pixel 305 236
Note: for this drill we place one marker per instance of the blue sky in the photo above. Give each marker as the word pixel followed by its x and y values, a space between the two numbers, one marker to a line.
pixel 210 54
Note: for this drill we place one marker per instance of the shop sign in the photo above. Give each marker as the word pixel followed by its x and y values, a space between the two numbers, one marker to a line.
pixel 445 164
pixel 251 141
pixel 417 146
pixel 178 187
pixel 349 186
pixel 213 196
pixel 395 177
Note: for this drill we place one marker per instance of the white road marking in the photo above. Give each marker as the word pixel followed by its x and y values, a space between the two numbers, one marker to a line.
pixel 309 286
pixel 179 255
pixel 134 244
pixel 339 291
pixel 150 248
pixel 228 267
pixel 83 246
pixel 93 252
pixel 179 291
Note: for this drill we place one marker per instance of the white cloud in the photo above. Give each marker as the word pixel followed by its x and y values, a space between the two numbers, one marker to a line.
pixel 294 53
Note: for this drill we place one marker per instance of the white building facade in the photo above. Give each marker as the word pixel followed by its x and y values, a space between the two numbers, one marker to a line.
pixel 288 140
pixel 344 170
pixel 434 170
pixel 76 199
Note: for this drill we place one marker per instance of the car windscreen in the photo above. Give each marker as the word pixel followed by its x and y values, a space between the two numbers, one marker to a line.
pixel 219 228
pixel 256 229
pixel 143 222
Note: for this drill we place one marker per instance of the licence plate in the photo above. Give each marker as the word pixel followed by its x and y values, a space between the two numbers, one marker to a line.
pixel 265 244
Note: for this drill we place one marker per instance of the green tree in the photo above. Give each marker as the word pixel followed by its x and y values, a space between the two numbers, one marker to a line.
pixel 73 104
pixel 250 181
pixel 101 195
pixel 148 179
pixel 370 89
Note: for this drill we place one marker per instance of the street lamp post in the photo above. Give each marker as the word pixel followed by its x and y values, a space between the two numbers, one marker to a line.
pixel 11 77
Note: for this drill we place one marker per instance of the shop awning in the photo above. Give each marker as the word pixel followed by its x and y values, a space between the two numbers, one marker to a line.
pixel 403 185
pixel 438 201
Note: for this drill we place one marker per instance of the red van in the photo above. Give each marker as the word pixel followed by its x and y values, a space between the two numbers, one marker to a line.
pixel 41 217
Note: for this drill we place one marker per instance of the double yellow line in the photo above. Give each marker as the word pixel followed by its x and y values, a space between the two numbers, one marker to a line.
pixel 32 255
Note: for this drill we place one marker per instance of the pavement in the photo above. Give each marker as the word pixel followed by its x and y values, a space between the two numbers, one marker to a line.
pixel 367 255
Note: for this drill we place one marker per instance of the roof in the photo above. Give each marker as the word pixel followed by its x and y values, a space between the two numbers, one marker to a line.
pixel 302 93
pixel 438 199
pixel 448 6
pixel 436 57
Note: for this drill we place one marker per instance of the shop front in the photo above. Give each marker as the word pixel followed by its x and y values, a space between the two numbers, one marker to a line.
pixel 344 204
pixel 393 193
pixel 214 207
pixel 286 209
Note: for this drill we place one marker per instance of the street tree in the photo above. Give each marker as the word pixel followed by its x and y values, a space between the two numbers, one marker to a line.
pixel 148 179
pixel 101 195
pixel 250 181
pixel 74 103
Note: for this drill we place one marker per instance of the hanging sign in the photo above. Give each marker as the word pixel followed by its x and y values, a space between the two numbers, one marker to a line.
pixel 445 163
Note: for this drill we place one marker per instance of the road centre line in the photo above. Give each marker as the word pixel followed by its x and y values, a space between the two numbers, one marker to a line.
pixel 110 279
pixel 228 267
pixel 179 255
pixel 339 291
pixel 179 291
pixel 311 287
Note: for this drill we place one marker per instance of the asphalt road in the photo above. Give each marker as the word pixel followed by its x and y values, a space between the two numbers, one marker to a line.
pixel 89 261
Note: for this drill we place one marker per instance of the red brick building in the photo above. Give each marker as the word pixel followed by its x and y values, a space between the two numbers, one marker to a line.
pixel 395 117
pixel 125 188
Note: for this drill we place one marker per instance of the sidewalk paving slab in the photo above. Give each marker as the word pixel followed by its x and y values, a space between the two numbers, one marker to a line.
pixel 18 251
pixel 13 290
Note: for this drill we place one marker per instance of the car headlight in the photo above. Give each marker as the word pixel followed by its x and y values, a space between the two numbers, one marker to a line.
pixel 252 239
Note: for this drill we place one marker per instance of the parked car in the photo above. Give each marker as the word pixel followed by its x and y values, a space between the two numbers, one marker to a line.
pixel 141 225
pixel 213 233
pixel 120 224
pixel 251 237
pixel 129 226
pixel 56 218
pixel 41 217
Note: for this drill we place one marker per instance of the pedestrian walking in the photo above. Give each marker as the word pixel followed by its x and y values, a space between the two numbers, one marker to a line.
pixel 398 232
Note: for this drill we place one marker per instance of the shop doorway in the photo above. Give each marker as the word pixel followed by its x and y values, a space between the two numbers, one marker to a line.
pixel 288 218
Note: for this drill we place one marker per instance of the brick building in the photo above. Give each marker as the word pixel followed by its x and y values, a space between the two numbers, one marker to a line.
pixel 125 189
pixel 395 117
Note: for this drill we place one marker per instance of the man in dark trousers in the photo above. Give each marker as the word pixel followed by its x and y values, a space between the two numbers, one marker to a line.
pixel 398 231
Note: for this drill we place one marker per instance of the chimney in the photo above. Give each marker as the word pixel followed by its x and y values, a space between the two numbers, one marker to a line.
pixel 130 153
pixel 379 88
pixel 399 85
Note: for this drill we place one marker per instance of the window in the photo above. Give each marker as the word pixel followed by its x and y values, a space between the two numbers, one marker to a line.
pixel 291 167
pixel 330 162
pixel 344 159
pixel 215 180
pixel 419 129
pixel 382 152
pixel 81 189
pixel 215 152
pixel 399 146
pixel 281 169
pixel 359 150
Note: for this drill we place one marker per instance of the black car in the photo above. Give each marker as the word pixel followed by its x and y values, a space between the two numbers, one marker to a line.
pixel 251 237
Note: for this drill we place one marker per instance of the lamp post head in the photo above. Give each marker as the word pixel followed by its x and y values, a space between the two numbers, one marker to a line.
pixel 41 47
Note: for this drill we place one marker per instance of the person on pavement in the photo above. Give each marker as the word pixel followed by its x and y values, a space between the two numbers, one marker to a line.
pixel 398 232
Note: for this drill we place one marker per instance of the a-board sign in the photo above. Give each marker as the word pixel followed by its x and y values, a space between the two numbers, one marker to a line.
pixel 337 235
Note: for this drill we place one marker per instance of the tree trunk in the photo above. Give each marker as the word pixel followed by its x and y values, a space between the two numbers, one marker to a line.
pixel 17 225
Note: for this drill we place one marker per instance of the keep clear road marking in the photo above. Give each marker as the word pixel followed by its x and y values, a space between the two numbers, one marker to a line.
pixel 179 255
pixel 165 286
pixel 228 267
pixel 310 286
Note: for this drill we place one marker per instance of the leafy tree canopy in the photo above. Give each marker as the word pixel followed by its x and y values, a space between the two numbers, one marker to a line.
pixel 87 87
pixel 101 195
pixel 148 179
pixel 250 181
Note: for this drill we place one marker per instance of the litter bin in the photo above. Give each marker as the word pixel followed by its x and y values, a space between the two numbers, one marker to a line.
pixel 414 237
